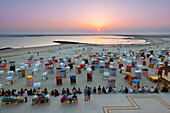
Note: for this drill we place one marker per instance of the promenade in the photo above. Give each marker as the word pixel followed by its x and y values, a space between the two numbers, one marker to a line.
pixel 99 103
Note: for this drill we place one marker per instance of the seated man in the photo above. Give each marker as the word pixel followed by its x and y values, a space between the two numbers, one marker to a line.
pixel 63 91
pixel 122 89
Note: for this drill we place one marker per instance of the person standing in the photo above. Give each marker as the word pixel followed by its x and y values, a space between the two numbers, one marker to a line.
pixel 85 94
pixel 25 94
pixel 89 93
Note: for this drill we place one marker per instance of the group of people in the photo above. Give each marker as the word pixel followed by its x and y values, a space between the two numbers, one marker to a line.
pixel 8 94
pixel 67 93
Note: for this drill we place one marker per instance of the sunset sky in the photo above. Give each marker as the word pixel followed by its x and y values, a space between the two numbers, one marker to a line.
pixel 85 16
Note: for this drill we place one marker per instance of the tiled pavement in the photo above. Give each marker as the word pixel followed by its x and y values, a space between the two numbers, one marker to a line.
pixel 99 103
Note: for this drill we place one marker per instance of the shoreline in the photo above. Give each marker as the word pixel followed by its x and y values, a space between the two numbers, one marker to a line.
pixel 152 39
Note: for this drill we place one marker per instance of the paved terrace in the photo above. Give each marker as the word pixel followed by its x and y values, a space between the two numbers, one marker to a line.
pixel 99 103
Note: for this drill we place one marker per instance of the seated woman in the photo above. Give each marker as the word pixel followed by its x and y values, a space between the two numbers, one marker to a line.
pixel 30 92
pixel 2 92
pixel 68 91
pixel 79 91
pixel 110 89
pixel 47 96
pixel 114 89
pixel 63 91
pixel 34 91
pixel 122 89
pixel 126 90
pixel 52 92
pixel 63 98
pixel 4 96
pixel 140 90
pixel 165 88
pixel 135 89
pixel 16 93
pixel 74 90
pixel 69 96
pixel 103 90
pixel 99 89
pixel 152 90
pixel 45 91
pixel 156 90
pixel 56 93
pixel 35 96
pixel 107 90
pixel 94 89
pixel 131 90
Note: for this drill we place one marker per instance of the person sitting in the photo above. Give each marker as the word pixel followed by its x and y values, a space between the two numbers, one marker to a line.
pixel 165 88
pixel 35 96
pixel 2 92
pixel 63 98
pixel 146 89
pixel 9 92
pixel 45 91
pixel 110 89
pixel 94 89
pixel 114 89
pixel 47 96
pixel 79 90
pixel 103 90
pixel 70 96
pixel 135 89
pixel 42 96
pixel 16 93
pixel 156 90
pixel 68 91
pixel 107 90
pixel 122 89
pixel 126 90
pixel 30 92
pixel 63 91
pixel 143 89
pixel 56 93
pixel 99 89
pixel 131 90
pixel 139 89
pixel 13 90
pixel 34 91
pixel 74 90
pixel 4 96
pixel 52 92
pixel 152 90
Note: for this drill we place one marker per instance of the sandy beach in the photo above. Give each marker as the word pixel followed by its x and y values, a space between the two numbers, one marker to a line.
pixel 60 51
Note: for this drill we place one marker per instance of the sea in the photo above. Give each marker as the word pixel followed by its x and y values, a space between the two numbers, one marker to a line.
pixel 24 41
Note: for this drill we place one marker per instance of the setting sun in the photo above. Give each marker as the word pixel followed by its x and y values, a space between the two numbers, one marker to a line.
pixel 98 29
